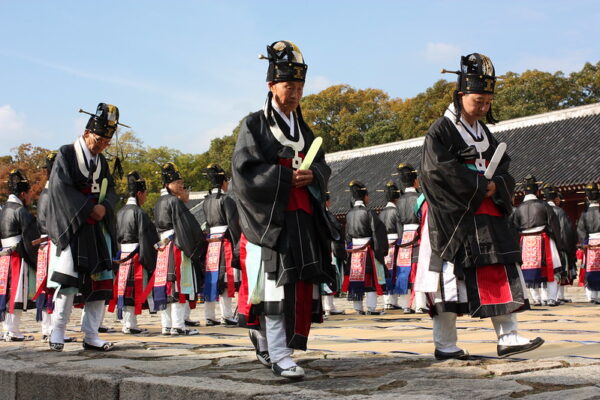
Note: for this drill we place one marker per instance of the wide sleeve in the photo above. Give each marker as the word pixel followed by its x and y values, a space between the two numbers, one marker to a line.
pixel 505 183
pixel 553 226
pixel 452 191
pixel 68 208
pixel 261 185
pixel 148 237
pixel 188 235
pixel 30 233
pixel 380 243
pixel 582 232
pixel 233 226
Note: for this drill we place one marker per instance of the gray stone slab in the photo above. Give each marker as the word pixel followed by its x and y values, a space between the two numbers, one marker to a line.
pixel 564 376
pixel 258 375
pixel 519 367
pixel 460 389
pixel 8 377
pixel 304 394
pixel 584 393
pixel 167 367
pixel 67 385
pixel 196 388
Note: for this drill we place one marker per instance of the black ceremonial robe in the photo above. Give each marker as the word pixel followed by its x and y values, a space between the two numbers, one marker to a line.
pixel 74 189
pixel 466 228
pixel 134 226
pixel 568 239
pixel 294 244
pixel 171 213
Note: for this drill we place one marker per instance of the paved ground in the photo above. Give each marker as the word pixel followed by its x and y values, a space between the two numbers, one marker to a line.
pixel 350 357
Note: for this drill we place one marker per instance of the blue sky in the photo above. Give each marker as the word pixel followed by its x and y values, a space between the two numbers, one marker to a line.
pixel 184 72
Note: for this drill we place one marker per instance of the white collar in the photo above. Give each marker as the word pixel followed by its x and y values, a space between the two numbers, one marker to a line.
pixel 289 121
pixel 552 203
pixel 14 199
pixel 164 192
pixel 390 204
pixel 47 184
pixel 464 128
pixel 298 139
pixel 530 197
pixel 132 201
pixel 86 151
pixel 358 203
pixel 410 189
pixel 594 204
pixel 215 190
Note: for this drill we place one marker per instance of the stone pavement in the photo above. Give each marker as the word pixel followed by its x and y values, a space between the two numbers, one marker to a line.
pixel 349 357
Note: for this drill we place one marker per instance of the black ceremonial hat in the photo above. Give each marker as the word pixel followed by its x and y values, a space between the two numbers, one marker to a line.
pixel 215 174
pixel 50 157
pixel 286 62
pixel 391 191
pixel 591 192
pixel 530 184
pixel 358 189
pixel 17 182
pixel 407 174
pixel 476 74
pixel 549 192
pixel 135 183
pixel 104 122
pixel 170 173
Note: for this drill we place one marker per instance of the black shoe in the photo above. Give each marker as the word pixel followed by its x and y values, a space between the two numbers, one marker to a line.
pixel 336 312
pixel 565 300
pixel 189 322
pixel 229 322
pixel 134 331
pixel 24 338
pixel 107 346
pixel 56 346
pixel 455 355
pixel 537 304
pixel 166 331
pixel 212 322
pixel 506 351
pixel 374 313
pixel 392 307
pixel 104 329
pixel 262 356
pixel 295 372
pixel 360 312
pixel 409 311
pixel 184 332
pixel 423 311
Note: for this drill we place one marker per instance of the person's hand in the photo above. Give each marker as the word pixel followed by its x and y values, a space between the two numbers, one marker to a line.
pixel 98 212
pixel 302 177
pixel 491 189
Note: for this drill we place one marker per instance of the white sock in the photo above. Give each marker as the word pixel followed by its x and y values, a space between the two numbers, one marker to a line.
pixel 286 363
pixel 512 339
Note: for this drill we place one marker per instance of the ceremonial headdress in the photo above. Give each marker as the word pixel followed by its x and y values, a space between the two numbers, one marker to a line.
pixel 591 192
pixel 549 192
pixel 135 183
pixel 407 174
pixel 104 122
pixel 530 184
pixel 358 189
pixel 17 182
pixel 391 191
pixel 476 75
pixel 50 157
pixel 170 173
pixel 216 175
pixel 286 62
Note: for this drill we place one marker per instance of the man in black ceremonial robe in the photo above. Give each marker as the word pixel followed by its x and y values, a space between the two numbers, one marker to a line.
pixel 540 235
pixel 18 228
pixel 389 217
pixel 81 224
pixel 568 239
pixel 136 235
pixel 179 263
pixel 338 261
pixel 408 206
pixel 222 265
pixel 588 232
pixel 368 239
pixel 284 247
pixel 467 256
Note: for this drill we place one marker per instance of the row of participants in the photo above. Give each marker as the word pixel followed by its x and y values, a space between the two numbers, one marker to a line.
pixel 452 247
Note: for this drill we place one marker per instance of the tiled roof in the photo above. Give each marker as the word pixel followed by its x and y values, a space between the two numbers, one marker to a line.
pixel 560 147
